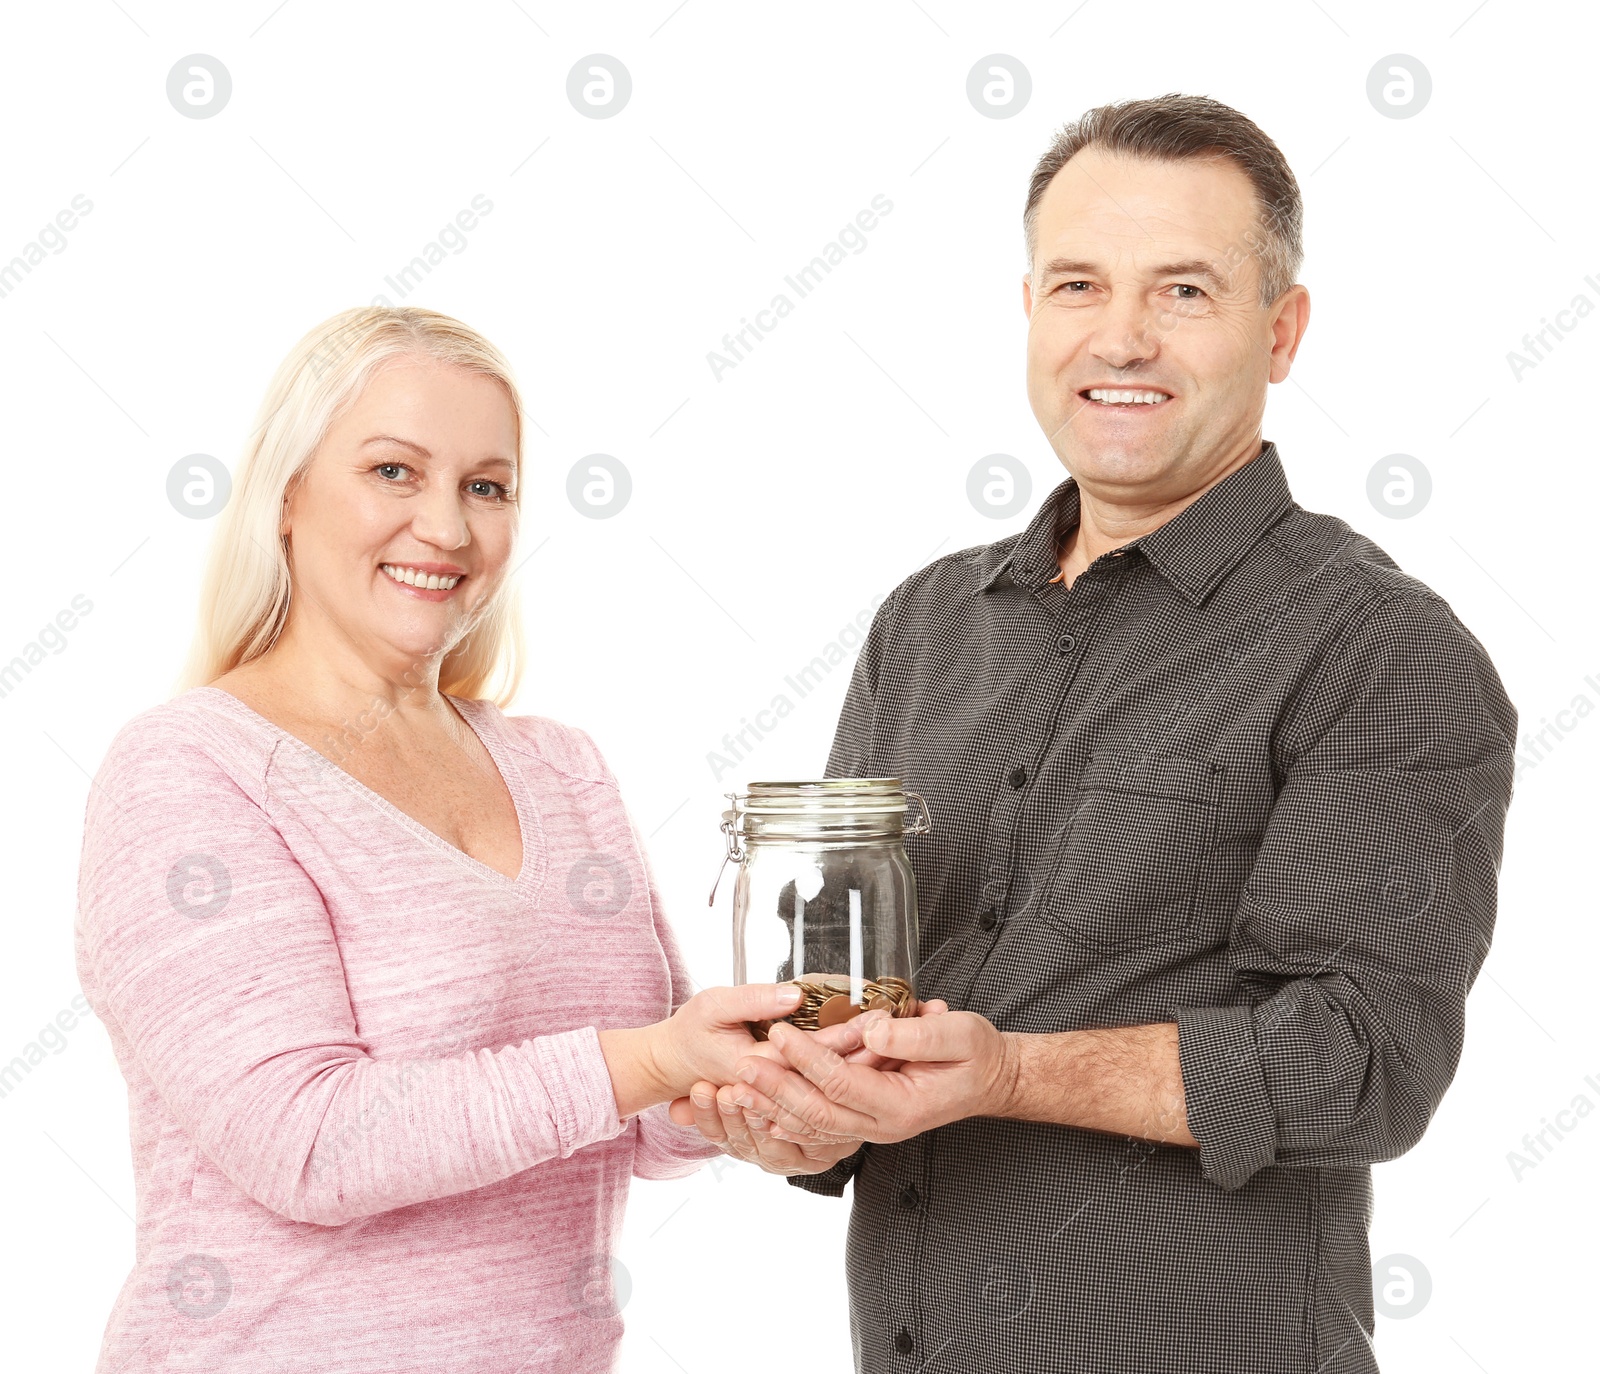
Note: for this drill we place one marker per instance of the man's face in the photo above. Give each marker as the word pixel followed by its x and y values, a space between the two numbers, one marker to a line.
pixel 1144 282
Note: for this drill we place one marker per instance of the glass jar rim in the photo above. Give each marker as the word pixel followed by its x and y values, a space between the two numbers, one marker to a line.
pixel 822 808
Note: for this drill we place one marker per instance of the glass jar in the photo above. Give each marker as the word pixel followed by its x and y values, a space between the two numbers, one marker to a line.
pixel 825 896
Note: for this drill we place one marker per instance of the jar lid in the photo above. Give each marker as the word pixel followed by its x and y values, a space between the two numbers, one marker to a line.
pixel 825 809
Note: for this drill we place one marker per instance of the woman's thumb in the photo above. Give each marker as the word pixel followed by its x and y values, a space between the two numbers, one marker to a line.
pixel 756 1001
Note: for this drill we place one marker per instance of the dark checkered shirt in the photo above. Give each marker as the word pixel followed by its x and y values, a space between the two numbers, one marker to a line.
pixel 1245 775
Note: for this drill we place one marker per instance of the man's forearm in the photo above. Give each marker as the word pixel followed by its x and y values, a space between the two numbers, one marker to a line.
pixel 1125 1080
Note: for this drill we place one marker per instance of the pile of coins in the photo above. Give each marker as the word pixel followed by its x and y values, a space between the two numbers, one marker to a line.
pixel 825 1001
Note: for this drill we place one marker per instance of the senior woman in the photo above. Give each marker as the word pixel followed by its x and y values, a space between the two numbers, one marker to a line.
pixel 385 969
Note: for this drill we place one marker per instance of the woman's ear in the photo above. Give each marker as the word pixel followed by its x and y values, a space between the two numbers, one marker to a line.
pixel 288 494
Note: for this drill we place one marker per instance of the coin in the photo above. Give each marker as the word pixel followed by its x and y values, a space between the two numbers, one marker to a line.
pixel 837 1009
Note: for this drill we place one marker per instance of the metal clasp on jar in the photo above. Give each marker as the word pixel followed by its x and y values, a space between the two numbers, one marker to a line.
pixel 730 835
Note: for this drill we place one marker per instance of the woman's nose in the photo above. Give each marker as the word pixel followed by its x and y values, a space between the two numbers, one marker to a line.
pixel 440 520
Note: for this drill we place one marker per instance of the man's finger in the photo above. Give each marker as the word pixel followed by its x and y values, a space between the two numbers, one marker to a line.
pixel 803 1100
pixel 737 1132
pixel 777 1122
pixel 817 1089
pixel 841 1038
pixel 938 1037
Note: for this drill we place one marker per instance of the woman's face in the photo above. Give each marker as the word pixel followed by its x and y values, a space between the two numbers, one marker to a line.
pixel 417 479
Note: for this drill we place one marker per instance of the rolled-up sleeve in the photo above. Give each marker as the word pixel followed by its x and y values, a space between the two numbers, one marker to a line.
pixel 830 1182
pixel 1368 911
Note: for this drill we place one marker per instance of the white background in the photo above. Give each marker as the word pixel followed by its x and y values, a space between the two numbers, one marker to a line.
pixel 771 506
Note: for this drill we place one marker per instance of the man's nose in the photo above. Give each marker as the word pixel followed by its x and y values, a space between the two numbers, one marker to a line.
pixel 1125 333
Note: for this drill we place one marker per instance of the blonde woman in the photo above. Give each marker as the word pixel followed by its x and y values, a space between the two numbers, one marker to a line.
pixel 385 969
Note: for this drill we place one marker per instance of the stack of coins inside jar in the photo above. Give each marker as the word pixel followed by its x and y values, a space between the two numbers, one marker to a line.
pixel 825 1000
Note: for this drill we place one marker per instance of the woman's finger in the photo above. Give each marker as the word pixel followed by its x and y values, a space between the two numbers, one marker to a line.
pixel 703 1101
pixel 733 1006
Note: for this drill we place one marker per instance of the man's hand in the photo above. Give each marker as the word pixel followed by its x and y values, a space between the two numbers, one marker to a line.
pixel 708 1106
pixel 749 1137
pixel 952 1065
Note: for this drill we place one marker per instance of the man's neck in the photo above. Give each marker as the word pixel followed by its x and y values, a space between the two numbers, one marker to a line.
pixel 1108 521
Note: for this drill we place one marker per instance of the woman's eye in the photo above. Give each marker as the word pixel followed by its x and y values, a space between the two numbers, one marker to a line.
pixel 389 470
pixel 497 491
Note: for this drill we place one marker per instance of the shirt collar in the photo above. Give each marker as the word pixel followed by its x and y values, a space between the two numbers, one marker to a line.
pixel 1194 550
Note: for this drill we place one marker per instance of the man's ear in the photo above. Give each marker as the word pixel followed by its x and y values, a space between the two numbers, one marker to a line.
pixel 1289 324
pixel 1027 294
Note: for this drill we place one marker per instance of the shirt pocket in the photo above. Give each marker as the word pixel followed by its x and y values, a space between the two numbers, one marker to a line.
pixel 1134 849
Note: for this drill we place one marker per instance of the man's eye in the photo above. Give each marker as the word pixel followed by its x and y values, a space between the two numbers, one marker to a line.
pixel 1184 286
pixel 1068 285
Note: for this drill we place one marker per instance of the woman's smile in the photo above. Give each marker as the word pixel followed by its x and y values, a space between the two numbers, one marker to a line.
pixel 426 581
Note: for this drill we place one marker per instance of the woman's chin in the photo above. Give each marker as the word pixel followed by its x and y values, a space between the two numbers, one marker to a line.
pixel 429 637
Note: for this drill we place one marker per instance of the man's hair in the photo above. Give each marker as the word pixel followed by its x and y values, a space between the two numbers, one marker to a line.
pixel 1180 128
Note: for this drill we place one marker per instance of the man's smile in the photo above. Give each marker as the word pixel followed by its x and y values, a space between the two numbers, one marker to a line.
pixel 1125 399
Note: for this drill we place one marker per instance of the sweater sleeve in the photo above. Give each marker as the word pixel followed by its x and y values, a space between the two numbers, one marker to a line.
pixel 207 945
pixel 665 1149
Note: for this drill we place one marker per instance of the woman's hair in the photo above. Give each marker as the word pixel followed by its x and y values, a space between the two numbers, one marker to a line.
pixel 244 599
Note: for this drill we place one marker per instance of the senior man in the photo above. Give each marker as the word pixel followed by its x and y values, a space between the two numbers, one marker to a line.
pixel 1220 794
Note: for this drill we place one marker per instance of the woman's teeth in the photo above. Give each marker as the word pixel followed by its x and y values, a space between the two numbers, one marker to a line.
pixel 1145 398
pixel 412 578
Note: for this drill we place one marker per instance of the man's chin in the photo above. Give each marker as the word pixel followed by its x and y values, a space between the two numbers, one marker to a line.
pixel 1119 468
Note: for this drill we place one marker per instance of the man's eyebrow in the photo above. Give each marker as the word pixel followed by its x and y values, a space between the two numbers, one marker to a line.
pixel 1189 267
pixel 491 461
pixel 1061 267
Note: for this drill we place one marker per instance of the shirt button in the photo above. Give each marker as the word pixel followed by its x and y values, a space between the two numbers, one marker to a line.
pixel 1018 776
pixel 1067 643
pixel 903 1342
pixel 988 920
pixel 910 1197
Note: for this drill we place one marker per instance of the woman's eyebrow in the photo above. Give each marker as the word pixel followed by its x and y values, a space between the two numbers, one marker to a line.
pixel 391 439
pixel 493 460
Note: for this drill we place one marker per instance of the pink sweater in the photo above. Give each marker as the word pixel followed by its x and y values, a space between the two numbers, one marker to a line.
pixel 372 1128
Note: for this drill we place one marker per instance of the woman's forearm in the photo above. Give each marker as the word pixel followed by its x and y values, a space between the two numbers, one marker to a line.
pixel 636 1077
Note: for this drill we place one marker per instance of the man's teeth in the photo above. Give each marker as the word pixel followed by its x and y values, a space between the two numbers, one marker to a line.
pixel 412 578
pixel 1145 398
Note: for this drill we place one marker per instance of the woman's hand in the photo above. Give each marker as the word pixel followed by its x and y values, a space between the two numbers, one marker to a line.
pixel 702 1040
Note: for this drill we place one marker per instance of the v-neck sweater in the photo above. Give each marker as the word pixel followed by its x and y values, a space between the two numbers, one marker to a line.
pixel 372 1126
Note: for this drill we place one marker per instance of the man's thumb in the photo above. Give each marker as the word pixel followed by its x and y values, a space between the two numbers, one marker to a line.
pixel 890 1036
